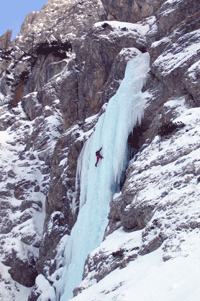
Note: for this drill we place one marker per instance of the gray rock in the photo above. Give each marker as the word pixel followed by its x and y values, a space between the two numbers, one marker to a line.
pixel 153 244
pixel 136 217
pixel 5 39
pixel 11 174
pixel 29 239
pixel 68 96
pixel 31 106
pixel 6 123
pixel 172 70
pixel 6 225
pixel 95 56
pixel 172 13
pixel 104 262
pixel 126 212
pixel 63 176
pixel 45 67
pixel 63 20
pixel 133 11
pixel 37 205
pixel 21 187
pixel 34 295
pixel 55 228
pixel 191 81
pixel 5 193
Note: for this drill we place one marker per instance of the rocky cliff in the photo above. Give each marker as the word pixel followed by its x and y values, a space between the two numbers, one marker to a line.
pixel 56 79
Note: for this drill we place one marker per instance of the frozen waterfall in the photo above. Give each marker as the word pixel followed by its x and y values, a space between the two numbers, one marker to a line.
pixel 98 184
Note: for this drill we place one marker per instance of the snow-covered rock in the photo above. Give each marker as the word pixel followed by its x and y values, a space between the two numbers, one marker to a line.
pixel 56 80
pixel 133 11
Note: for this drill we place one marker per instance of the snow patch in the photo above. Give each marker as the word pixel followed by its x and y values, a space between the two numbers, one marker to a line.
pixel 140 27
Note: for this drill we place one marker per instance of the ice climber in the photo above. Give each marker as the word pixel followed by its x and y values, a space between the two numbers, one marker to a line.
pixel 98 156
pixel 143 49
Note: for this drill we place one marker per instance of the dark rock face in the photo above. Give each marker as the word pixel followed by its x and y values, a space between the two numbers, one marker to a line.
pixel 31 106
pixel 27 277
pixel 22 271
pixel 68 96
pixel 55 229
pixel 5 60
pixel 131 11
pixel 126 212
pixel 136 218
pixel 45 68
pixel 98 51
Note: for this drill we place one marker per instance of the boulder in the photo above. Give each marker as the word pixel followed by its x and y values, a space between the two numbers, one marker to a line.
pixel 31 106
pixel 127 212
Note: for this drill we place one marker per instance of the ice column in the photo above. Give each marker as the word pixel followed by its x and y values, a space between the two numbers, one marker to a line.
pixel 124 109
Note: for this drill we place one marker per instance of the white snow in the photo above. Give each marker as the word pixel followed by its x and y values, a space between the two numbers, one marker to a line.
pixel 161 41
pixel 140 27
pixel 117 240
pixel 149 278
pixel 98 184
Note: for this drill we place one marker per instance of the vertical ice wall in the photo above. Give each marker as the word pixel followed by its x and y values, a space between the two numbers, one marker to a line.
pixel 98 183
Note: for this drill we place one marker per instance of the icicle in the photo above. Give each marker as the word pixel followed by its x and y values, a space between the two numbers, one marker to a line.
pixel 98 184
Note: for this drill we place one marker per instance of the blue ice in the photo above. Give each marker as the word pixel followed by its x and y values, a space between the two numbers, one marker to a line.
pixel 98 184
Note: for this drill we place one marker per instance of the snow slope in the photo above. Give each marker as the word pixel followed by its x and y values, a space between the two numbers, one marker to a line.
pixel 149 277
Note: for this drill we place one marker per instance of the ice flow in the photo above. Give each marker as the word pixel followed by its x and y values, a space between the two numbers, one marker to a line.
pixel 98 184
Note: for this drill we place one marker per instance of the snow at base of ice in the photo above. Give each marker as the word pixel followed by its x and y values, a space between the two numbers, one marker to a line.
pixel 150 278
pixel 98 184
pixel 46 290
